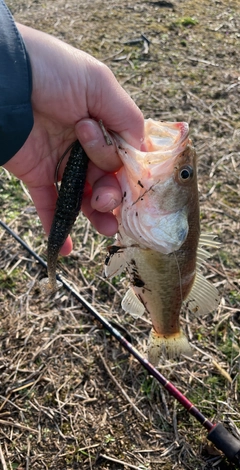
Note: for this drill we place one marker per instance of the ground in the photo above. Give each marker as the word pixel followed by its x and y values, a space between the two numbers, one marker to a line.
pixel 70 396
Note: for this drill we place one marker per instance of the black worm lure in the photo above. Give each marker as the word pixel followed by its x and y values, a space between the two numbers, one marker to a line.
pixel 67 208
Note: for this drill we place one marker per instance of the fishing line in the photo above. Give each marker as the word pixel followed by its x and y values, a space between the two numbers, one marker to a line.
pixel 217 433
pixel 59 164
pixel 179 275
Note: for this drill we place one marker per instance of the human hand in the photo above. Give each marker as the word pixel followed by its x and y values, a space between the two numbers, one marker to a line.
pixel 71 92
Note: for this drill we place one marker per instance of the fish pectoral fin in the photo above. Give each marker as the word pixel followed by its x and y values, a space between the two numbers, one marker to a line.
pixel 203 297
pixel 131 304
pixel 115 262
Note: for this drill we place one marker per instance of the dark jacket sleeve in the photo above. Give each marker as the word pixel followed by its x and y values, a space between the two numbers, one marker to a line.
pixel 16 115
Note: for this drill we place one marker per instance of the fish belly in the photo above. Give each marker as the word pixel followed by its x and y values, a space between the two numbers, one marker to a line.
pixel 156 280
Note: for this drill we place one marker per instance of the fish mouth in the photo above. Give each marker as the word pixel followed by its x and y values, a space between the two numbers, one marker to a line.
pixel 165 135
pixel 164 140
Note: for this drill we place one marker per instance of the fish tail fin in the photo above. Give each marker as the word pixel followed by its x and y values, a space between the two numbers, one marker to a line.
pixel 170 345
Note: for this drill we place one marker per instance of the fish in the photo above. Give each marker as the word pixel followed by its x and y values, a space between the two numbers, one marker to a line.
pixel 67 209
pixel 158 241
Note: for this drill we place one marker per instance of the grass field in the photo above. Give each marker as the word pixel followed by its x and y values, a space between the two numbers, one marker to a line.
pixel 70 396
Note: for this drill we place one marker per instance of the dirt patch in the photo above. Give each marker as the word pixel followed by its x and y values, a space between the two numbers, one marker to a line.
pixel 70 396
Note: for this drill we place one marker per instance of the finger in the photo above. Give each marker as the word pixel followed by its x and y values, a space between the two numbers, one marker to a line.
pixel 104 223
pixel 106 193
pixel 44 198
pixel 92 139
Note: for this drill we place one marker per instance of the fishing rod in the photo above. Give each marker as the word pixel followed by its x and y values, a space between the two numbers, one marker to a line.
pixel 217 433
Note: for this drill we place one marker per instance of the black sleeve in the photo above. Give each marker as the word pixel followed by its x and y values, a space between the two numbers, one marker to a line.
pixel 16 115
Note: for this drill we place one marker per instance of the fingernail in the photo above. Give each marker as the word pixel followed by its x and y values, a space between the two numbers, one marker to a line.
pixel 87 131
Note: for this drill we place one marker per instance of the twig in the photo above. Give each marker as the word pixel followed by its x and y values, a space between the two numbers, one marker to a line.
pixel 109 284
pixel 222 371
pixel 121 462
pixel 28 454
pixel 79 450
pixel 17 425
pixel 105 134
pixel 163 397
pixel 112 55
pixel 2 458
pixel 232 86
pixel 121 389
pixel 195 59
pixel 85 238
pixel 175 422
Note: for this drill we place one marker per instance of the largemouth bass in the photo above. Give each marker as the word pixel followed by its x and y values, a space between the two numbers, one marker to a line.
pixel 159 241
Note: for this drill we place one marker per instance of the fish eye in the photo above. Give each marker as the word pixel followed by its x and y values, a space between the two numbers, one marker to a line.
pixel 186 173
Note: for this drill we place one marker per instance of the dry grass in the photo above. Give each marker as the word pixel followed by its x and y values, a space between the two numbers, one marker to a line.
pixel 70 396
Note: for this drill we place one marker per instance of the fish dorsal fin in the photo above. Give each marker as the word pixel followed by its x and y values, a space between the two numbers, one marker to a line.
pixel 115 262
pixel 202 255
pixel 203 297
pixel 131 304
pixel 208 239
pixel 205 239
